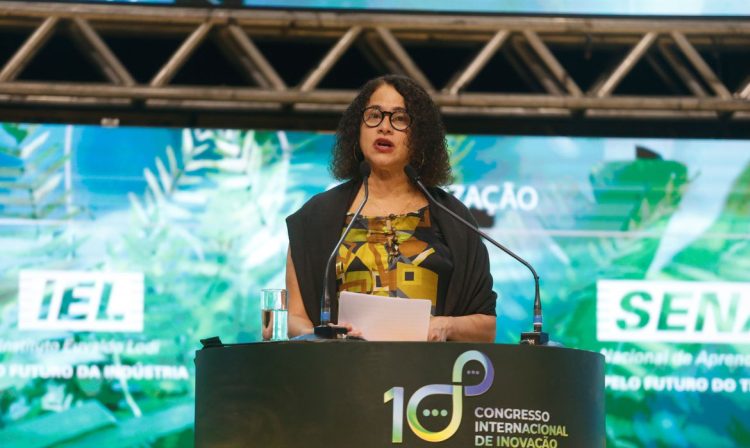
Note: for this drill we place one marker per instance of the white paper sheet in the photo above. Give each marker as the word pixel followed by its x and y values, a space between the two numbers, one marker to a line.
pixel 386 318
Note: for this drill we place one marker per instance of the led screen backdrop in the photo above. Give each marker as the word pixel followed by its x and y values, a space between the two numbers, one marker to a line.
pixel 598 7
pixel 595 7
pixel 121 247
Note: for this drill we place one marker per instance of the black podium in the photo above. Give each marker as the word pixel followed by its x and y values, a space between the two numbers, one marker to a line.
pixel 407 394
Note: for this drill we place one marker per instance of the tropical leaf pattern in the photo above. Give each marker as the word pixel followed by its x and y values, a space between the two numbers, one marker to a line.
pixel 201 214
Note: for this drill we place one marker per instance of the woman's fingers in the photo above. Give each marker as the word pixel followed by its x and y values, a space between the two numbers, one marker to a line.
pixel 351 330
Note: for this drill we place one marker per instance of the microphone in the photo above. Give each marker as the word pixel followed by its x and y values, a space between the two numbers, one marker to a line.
pixel 536 337
pixel 324 330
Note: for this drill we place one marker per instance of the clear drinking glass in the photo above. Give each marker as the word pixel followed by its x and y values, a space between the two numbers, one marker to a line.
pixel 274 312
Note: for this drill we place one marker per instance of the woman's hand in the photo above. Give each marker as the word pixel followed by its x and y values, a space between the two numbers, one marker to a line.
pixel 351 330
pixel 471 328
pixel 440 328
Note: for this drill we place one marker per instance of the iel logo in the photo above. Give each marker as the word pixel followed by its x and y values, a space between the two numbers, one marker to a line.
pixel 456 390
pixel 80 301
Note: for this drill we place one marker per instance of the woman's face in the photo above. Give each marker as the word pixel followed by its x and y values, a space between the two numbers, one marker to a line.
pixel 385 147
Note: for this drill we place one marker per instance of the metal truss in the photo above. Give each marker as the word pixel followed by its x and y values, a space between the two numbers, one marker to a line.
pixel 681 69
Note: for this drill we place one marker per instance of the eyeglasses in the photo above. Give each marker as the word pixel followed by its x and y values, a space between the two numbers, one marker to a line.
pixel 373 116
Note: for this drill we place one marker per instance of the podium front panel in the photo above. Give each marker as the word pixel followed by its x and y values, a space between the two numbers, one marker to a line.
pixel 368 394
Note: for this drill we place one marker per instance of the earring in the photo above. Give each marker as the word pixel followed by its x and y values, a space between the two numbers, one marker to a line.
pixel 421 163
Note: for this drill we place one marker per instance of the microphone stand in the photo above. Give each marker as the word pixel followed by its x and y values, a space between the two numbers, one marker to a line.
pixel 535 337
pixel 324 330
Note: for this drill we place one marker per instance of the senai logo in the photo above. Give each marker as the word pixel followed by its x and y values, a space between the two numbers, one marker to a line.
pixel 673 311
pixel 456 390
pixel 80 301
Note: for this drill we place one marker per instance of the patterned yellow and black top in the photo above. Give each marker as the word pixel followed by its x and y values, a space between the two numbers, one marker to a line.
pixel 396 255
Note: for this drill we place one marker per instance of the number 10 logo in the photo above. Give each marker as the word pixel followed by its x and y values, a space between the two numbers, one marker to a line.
pixel 456 390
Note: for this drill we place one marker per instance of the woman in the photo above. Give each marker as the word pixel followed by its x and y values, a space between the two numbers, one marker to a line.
pixel 401 246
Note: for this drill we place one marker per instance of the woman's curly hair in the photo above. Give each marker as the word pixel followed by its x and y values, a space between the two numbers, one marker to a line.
pixel 426 135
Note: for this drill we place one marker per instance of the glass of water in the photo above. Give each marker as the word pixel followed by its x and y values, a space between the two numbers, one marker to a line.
pixel 274 312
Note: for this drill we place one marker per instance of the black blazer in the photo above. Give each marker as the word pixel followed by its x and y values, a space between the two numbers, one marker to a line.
pixel 316 226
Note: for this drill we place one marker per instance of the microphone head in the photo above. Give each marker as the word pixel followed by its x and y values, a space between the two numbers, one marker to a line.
pixel 411 173
pixel 364 169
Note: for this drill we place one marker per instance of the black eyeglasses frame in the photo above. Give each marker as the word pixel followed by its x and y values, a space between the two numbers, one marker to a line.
pixel 390 117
